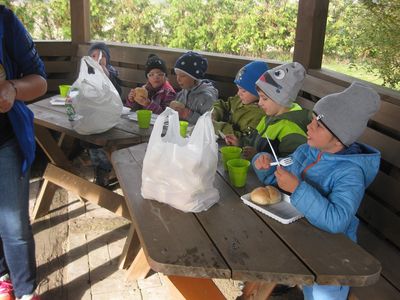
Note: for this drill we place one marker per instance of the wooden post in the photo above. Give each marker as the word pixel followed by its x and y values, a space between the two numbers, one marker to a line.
pixel 310 33
pixel 80 21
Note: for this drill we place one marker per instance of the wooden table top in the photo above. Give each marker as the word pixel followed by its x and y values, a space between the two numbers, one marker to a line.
pixel 231 240
pixel 127 132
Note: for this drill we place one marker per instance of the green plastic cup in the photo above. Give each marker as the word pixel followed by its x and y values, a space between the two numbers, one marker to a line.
pixel 183 125
pixel 230 152
pixel 64 89
pixel 144 116
pixel 237 170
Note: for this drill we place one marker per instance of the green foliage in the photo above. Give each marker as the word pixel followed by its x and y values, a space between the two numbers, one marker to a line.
pixel 47 20
pixel 361 33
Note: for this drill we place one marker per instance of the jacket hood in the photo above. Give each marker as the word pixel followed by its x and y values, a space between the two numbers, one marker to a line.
pixel 204 85
pixel 302 117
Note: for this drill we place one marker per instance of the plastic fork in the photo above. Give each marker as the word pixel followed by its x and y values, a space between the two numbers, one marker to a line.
pixel 221 134
pixel 287 161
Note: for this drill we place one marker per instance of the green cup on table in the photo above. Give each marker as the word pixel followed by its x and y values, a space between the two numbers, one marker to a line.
pixel 64 89
pixel 183 125
pixel 237 170
pixel 144 117
pixel 230 152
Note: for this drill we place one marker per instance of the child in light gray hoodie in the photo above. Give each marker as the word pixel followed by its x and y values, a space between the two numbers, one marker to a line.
pixel 197 95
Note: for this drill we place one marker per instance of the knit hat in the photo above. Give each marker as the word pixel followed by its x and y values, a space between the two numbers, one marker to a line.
pixel 154 62
pixel 283 83
pixel 247 76
pixel 103 47
pixel 346 114
pixel 193 64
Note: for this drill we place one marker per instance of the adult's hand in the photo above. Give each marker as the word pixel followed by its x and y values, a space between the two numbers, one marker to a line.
pixel 7 96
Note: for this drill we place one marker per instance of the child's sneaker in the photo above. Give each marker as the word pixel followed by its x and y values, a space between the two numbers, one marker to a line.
pixel 6 290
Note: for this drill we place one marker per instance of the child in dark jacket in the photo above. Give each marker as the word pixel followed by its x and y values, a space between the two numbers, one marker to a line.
pixel 241 112
pixel 197 95
pixel 102 166
pixel 330 173
pixel 285 122
pixel 159 91
pixel 104 61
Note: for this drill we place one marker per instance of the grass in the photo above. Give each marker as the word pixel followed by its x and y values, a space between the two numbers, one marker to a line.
pixel 351 70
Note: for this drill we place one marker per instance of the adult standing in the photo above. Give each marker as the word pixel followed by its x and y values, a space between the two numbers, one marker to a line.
pixel 22 78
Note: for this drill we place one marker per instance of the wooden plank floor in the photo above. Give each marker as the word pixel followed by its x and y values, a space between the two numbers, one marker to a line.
pixel 77 249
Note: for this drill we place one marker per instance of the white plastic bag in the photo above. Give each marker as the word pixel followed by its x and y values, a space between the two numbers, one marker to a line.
pixel 180 171
pixel 97 103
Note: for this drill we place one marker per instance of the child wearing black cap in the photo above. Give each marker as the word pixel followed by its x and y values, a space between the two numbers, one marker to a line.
pixel 197 95
pixel 104 60
pixel 159 91
pixel 330 173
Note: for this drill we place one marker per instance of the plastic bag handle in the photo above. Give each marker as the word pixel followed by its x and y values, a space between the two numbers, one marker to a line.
pixel 173 126
pixel 203 132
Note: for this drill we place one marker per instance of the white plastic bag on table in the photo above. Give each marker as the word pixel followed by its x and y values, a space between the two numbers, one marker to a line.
pixel 180 171
pixel 97 103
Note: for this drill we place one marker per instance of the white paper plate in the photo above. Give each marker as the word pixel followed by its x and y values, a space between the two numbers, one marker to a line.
pixel 57 100
pixel 126 110
pixel 283 211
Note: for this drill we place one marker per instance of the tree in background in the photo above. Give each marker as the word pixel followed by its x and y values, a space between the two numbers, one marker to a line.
pixel 365 33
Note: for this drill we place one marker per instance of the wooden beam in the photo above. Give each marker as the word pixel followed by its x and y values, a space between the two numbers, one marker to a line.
pixel 80 21
pixel 190 288
pixel 139 268
pixel 257 290
pixel 87 190
pixel 310 33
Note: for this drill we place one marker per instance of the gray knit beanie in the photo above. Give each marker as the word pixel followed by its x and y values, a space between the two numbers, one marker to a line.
pixel 283 83
pixel 346 114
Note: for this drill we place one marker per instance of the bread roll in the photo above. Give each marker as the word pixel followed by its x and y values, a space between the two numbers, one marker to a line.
pixel 141 92
pixel 266 195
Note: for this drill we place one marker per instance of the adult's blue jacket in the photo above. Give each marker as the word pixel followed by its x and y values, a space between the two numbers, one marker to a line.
pixel 331 185
pixel 19 58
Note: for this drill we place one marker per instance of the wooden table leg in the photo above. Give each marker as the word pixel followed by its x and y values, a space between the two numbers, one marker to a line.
pixel 257 290
pixel 43 202
pixel 131 249
pixel 139 268
pixel 191 288
pixel 51 147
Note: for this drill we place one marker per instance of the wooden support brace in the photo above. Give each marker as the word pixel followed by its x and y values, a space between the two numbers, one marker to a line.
pixel 51 147
pixel 191 288
pixel 131 249
pixel 257 290
pixel 83 188
pixel 139 268
pixel 43 201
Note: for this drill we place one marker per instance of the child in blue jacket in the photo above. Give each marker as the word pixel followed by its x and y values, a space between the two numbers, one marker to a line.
pixel 330 173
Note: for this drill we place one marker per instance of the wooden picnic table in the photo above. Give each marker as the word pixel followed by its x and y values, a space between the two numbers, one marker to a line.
pixel 60 172
pixel 231 240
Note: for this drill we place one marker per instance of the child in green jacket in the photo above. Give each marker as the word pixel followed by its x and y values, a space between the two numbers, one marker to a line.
pixel 241 112
pixel 285 123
